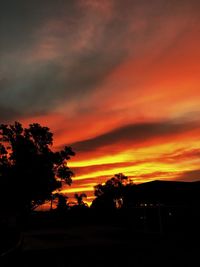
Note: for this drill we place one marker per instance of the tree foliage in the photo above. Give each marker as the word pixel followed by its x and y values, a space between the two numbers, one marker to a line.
pixel 62 202
pixel 79 198
pixel 29 169
pixel 110 195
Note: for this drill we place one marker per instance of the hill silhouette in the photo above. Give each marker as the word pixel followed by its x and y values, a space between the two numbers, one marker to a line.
pixel 164 193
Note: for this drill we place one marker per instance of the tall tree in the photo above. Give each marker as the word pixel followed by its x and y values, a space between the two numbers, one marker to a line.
pixel 29 170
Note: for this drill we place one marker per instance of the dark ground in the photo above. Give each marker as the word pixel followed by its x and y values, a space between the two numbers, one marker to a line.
pixel 109 240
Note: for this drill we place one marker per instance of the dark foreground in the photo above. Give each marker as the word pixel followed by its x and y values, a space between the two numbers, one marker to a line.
pixel 142 250
pixel 105 243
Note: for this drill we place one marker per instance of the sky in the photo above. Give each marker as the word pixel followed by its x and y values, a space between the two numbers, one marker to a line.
pixel 117 80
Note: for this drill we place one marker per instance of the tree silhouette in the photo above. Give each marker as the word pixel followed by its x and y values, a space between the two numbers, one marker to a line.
pixel 110 195
pixel 62 202
pixel 29 170
pixel 79 199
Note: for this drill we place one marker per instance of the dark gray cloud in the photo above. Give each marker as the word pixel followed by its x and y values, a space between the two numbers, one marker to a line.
pixel 32 79
pixel 39 88
pixel 7 114
pixel 20 19
pixel 189 176
pixel 134 134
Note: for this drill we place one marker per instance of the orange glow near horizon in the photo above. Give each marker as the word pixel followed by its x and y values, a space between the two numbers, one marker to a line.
pixel 168 161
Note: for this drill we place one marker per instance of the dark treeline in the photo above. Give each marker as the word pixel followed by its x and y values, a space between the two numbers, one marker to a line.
pixel 31 173
pixel 152 207
pixel 120 192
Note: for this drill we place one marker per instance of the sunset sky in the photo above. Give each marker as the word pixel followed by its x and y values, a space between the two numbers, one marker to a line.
pixel 118 81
